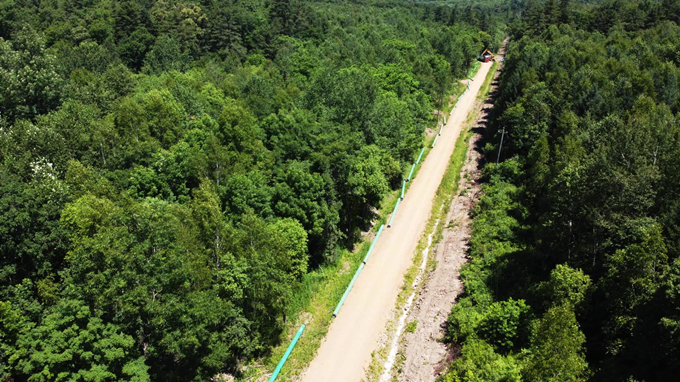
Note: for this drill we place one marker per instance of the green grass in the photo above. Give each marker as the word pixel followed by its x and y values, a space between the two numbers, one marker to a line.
pixel 411 327
pixel 458 89
pixel 486 86
pixel 474 69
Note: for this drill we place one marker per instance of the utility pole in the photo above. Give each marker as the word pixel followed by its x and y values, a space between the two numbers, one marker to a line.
pixel 500 146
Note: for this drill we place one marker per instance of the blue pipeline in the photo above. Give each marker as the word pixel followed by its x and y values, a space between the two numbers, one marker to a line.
pixel 411 173
pixel 394 213
pixel 403 188
pixel 373 244
pixel 420 156
pixel 349 288
pixel 435 140
pixel 285 355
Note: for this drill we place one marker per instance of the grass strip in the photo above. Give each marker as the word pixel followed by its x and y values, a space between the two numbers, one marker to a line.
pixel 486 86
pixel 474 69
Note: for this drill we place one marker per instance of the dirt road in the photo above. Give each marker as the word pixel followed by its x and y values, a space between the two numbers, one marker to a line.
pixel 346 351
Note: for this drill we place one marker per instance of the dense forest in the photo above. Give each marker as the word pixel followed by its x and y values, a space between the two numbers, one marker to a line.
pixel 574 266
pixel 169 170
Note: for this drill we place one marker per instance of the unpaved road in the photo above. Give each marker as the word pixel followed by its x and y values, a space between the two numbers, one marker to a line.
pixel 346 351
pixel 425 356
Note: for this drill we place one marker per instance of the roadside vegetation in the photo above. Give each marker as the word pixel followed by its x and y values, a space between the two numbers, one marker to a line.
pixel 574 255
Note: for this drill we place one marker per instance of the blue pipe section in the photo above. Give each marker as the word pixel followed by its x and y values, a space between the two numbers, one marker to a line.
pixel 403 188
pixel 349 288
pixel 435 140
pixel 285 355
pixel 373 244
pixel 411 173
pixel 394 213
pixel 420 156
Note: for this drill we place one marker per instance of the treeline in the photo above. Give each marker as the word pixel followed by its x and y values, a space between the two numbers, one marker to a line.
pixel 170 170
pixel 575 255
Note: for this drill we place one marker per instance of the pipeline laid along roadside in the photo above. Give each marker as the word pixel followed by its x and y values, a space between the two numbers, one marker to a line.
pixel 373 244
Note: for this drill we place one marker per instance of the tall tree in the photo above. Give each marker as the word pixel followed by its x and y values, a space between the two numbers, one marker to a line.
pixel 28 76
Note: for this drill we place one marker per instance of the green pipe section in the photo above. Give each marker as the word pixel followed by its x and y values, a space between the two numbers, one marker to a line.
pixel 374 242
pixel 394 213
pixel 420 156
pixel 287 353
pixel 403 188
pixel 411 173
pixel 349 288
pixel 435 140
pixel 445 120
pixel 440 129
